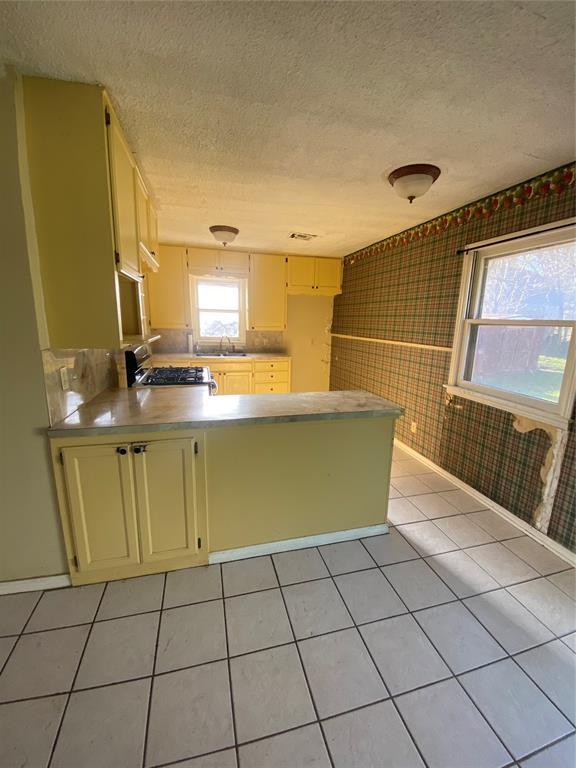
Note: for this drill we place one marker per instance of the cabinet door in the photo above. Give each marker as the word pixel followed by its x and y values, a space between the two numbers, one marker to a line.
pixel 301 274
pixel 328 276
pixel 204 261
pixel 102 505
pixel 168 510
pixel 124 202
pixel 141 210
pixel 168 289
pixel 267 296
pixel 152 230
pixel 233 263
pixel 236 383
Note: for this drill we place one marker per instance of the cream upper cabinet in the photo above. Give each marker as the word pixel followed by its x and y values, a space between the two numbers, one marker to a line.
pixel 314 276
pixel 301 273
pixel 168 290
pixel 124 201
pixel 102 505
pixel 83 195
pixel 328 276
pixel 234 263
pixel 217 263
pixel 153 234
pixel 267 293
pixel 167 499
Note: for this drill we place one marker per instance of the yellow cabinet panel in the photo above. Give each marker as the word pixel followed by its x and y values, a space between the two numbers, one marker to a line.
pixel 272 365
pixel 328 276
pixel 236 383
pixel 124 201
pixel 314 276
pixel 301 274
pixel 66 143
pixel 217 263
pixel 262 388
pixel 102 505
pixel 267 292
pixel 234 263
pixel 141 210
pixel 152 230
pixel 165 475
pixel 271 376
pixel 168 289
pixel 203 261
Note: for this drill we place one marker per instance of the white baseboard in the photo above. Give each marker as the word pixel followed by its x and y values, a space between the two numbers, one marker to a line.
pixel 33 585
pixel 271 548
pixel 510 517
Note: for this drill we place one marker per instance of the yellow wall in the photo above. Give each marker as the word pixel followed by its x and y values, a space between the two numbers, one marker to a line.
pixel 30 538
pixel 289 480
pixel 308 342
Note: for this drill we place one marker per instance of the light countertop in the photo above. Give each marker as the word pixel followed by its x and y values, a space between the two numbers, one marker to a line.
pixel 215 357
pixel 173 408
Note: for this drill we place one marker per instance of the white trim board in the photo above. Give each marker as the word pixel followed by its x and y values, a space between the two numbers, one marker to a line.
pixel 541 538
pixel 33 585
pixel 304 542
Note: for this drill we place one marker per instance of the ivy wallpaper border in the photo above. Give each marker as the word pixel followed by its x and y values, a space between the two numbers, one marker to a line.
pixel 552 182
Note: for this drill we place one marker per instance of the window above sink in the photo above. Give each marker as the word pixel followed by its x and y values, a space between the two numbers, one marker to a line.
pixel 218 312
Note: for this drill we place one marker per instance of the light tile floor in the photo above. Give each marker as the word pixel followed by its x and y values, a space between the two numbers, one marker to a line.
pixel 448 643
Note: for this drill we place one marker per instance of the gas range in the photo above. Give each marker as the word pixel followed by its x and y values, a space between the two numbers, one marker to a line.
pixel 162 377
pixel 138 374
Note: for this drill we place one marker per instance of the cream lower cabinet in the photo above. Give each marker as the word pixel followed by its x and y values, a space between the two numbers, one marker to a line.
pixel 235 382
pixel 134 507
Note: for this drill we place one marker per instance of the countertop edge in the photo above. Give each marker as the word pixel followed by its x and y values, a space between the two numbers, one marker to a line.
pixel 71 432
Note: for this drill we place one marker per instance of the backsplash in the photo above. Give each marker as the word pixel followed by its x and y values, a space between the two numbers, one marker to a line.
pixel 174 340
pixel 90 371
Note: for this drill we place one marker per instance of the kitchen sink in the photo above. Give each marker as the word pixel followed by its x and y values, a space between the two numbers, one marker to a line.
pixel 221 354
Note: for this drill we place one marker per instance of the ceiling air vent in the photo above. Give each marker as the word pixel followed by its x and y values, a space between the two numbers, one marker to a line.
pixel 301 236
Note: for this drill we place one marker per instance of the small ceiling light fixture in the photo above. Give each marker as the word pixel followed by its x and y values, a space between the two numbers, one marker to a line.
pixel 224 234
pixel 412 181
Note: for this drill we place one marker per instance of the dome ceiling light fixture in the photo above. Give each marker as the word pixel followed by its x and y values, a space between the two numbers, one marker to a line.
pixel 224 234
pixel 412 181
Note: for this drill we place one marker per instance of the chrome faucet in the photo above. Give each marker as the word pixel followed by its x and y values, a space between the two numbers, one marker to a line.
pixel 231 347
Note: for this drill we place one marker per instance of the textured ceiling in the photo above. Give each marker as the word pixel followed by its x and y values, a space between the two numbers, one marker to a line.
pixel 281 116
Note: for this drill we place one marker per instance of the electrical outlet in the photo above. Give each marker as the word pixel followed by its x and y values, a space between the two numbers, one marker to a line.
pixel 64 381
pixel 413 427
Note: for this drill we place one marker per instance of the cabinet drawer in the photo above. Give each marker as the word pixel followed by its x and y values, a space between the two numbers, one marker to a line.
pixel 216 367
pixel 272 365
pixel 265 388
pixel 272 376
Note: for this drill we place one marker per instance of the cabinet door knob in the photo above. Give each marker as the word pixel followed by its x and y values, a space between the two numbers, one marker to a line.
pixel 139 449
pixel 121 451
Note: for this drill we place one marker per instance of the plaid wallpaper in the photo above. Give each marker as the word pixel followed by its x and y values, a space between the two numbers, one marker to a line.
pixel 405 288
pixel 563 521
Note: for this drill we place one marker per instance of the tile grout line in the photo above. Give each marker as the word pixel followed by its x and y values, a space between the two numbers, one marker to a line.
pixel 247 653
pixel 369 652
pixel 228 665
pixel 298 651
pixel 151 690
pixel 507 654
pixel 419 557
pixel 71 691
pixel 453 674
pixel 19 635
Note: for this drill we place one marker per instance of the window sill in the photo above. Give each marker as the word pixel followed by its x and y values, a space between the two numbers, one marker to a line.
pixel 548 419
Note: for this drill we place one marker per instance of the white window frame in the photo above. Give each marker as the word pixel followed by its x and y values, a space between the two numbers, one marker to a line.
pixel 238 341
pixel 555 414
